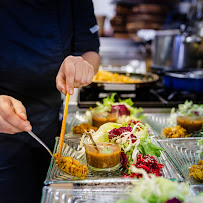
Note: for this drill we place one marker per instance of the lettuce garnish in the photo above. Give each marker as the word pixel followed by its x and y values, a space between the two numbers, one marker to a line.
pixel 187 109
pixel 109 101
pixel 153 189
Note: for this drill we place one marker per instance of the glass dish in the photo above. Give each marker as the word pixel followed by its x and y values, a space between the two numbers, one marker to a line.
pixel 191 123
pixel 54 175
pixel 183 153
pixel 99 119
pixel 158 122
pixel 74 119
pixel 73 194
pixel 62 193
pixel 106 159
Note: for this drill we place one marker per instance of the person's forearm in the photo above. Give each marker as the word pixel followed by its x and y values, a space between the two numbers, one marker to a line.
pixel 92 58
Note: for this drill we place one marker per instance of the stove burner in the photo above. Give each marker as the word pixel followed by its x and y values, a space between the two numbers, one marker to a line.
pixel 155 97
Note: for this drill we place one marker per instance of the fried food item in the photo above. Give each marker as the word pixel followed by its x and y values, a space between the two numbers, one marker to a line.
pixel 106 76
pixel 80 129
pixel 175 132
pixel 197 170
pixel 72 166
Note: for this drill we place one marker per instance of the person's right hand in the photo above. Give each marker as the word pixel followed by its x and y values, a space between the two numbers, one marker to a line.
pixel 13 118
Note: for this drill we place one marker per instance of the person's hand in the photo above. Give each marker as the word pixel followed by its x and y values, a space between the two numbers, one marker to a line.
pixel 13 118
pixel 74 72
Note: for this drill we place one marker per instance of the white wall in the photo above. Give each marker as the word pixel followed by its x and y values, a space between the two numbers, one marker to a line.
pixel 104 7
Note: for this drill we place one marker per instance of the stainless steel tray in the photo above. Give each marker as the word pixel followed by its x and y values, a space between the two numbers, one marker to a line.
pixel 183 153
pixel 159 121
pixel 54 175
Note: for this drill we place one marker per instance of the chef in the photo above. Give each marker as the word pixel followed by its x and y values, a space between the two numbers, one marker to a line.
pixel 46 47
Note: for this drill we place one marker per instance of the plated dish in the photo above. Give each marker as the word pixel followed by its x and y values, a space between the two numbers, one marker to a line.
pixel 139 145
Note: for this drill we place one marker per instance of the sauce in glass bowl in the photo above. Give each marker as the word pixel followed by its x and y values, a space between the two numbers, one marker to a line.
pixel 190 123
pixel 99 119
pixel 107 158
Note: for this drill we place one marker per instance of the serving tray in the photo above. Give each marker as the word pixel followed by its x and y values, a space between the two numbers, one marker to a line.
pixel 83 194
pixel 71 143
pixel 158 122
pixel 183 153
pixel 74 119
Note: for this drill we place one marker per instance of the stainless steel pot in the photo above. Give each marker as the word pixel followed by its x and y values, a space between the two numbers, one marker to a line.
pixel 185 52
pixel 162 48
pixel 175 50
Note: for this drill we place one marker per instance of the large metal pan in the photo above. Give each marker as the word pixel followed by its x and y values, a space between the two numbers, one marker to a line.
pixel 189 81
pixel 146 80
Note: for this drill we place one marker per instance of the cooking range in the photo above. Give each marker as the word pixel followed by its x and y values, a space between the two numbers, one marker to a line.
pixel 156 96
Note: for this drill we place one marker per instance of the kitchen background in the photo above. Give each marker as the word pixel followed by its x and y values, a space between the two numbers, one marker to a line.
pixel 157 40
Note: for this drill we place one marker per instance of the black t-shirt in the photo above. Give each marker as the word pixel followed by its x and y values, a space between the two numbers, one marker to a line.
pixel 35 37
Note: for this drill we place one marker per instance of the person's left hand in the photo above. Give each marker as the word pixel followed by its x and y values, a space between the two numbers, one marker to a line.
pixel 74 72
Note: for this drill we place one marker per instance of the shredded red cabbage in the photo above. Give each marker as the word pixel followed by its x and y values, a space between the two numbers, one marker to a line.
pixel 173 200
pixel 120 130
pixel 124 160
pixel 149 164
pixel 122 109
pixel 117 132
pixel 133 121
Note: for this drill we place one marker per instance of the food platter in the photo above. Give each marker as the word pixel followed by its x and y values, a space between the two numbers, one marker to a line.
pixel 158 122
pixel 140 80
pixel 71 143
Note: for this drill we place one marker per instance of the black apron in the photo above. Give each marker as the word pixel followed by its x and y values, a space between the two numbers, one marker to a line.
pixel 35 37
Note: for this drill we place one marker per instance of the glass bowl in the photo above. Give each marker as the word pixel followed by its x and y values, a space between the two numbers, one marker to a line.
pixel 99 119
pixel 192 124
pixel 107 159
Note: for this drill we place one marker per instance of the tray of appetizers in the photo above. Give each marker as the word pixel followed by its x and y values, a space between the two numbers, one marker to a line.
pixel 185 121
pixel 124 138
pixel 104 167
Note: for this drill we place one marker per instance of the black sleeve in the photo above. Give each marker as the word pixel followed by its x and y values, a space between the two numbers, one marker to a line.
pixel 85 35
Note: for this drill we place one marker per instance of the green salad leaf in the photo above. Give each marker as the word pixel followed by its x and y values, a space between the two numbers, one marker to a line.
pixel 101 135
pixel 156 189
pixel 187 109
pixel 110 100
pixel 147 147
